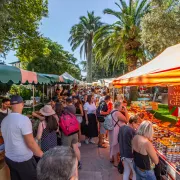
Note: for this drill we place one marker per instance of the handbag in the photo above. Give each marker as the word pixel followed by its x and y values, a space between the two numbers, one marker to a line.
pixel 101 118
pixel 120 167
pixel 157 171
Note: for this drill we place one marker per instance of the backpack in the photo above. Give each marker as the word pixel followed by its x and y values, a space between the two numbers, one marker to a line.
pixel 68 124
pixel 108 123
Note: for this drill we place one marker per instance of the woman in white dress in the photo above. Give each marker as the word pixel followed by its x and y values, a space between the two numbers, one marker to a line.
pixel 91 120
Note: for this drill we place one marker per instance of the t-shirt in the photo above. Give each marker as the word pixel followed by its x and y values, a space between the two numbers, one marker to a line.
pixel 90 108
pixel 5 111
pixel 3 114
pixel 125 137
pixel 71 109
pixel 14 127
pixel 110 106
pixel 102 107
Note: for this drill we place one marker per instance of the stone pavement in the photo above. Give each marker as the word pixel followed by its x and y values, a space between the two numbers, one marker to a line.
pixel 96 165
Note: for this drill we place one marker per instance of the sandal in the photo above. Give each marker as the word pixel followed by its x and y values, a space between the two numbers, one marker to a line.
pixel 111 161
pixel 101 146
pixel 115 166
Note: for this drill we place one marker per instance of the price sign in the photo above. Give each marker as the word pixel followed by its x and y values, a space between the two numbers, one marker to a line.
pixel 174 96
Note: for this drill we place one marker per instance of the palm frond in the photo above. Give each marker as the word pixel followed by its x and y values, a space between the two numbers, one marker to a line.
pixel 142 8
pixel 123 4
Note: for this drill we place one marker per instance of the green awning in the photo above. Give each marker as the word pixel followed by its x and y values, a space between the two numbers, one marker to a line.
pixel 43 79
pixel 68 78
pixel 52 77
pixel 10 74
pixel 14 75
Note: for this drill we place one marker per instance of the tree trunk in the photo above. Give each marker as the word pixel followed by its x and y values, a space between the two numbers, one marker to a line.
pixel 89 62
pixel 133 89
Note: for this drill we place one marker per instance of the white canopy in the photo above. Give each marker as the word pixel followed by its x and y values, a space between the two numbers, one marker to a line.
pixel 167 60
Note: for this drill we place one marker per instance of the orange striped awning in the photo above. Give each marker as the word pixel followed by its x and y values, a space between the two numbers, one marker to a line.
pixel 171 77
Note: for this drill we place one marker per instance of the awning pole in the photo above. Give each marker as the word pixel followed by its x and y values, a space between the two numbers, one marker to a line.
pixel 113 94
pixel 47 93
pixel 43 93
pixel 51 92
pixel 33 100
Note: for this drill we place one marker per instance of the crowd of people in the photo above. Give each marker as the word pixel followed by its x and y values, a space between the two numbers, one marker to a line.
pixel 55 155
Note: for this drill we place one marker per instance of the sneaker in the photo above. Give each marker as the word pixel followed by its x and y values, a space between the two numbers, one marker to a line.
pixel 86 141
pixel 79 165
pixel 79 144
pixel 92 141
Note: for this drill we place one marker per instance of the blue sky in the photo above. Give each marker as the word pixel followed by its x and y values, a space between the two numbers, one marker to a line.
pixel 63 14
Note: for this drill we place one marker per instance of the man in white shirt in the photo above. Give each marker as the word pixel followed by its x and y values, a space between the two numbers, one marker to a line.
pixel 19 143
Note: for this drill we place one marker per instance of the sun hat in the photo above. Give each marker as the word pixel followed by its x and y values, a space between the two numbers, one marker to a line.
pixel 15 99
pixel 47 110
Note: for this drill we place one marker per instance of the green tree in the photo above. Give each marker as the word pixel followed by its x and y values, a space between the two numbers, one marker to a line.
pixel 81 35
pixel 19 23
pixel 99 72
pixel 121 41
pixel 52 60
pixel 161 26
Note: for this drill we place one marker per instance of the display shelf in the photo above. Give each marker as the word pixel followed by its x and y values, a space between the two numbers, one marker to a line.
pixel 168 168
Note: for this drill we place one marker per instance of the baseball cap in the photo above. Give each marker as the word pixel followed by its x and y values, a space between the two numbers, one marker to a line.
pixel 15 99
pixel 69 100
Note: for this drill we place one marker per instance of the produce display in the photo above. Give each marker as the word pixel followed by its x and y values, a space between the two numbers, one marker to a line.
pixel 166 138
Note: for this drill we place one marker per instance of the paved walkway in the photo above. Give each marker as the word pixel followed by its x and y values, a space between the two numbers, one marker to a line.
pixel 96 165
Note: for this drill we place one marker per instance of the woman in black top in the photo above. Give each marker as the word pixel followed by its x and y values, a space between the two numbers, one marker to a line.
pixel 145 157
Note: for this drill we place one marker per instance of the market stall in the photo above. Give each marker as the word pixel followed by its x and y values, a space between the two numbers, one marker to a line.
pixel 164 70
pixel 13 75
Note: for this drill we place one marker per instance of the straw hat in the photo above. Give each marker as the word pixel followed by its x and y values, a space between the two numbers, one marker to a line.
pixel 47 110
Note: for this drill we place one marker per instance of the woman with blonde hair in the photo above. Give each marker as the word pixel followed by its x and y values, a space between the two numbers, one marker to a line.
pixel 145 157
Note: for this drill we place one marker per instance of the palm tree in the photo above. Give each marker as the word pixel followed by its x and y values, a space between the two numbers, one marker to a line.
pixel 121 41
pixel 82 35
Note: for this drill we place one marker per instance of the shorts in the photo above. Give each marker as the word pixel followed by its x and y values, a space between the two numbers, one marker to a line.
pixel 22 170
pixel 79 118
pixel 102 129
pixel 69 140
